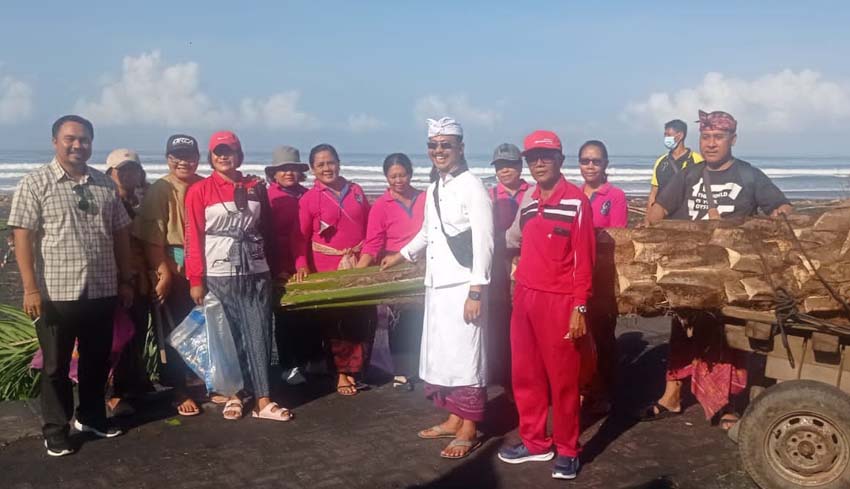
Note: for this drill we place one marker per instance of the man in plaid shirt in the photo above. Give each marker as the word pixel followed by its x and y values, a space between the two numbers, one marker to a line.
pixel 72 247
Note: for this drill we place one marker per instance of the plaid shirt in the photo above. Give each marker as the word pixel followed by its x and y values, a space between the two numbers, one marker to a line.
pixel 74 252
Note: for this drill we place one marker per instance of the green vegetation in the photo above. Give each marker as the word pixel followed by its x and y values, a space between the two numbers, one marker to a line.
pixel 18 344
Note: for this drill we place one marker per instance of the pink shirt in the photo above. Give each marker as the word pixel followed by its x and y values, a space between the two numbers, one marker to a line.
pixel 610 209
pixel 284 216
pixel 392 225
pixel 347 215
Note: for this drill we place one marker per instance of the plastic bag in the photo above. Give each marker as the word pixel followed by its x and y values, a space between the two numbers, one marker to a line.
pixel 204 341
pixel 225 373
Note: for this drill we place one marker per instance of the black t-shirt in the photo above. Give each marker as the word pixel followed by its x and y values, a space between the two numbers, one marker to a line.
pixel 739 191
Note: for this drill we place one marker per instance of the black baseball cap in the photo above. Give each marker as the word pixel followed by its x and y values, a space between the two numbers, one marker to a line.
pixel 181 143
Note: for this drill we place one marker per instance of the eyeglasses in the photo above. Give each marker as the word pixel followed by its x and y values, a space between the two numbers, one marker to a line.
pixel 84 204
pixel 592 161
pixel 440 145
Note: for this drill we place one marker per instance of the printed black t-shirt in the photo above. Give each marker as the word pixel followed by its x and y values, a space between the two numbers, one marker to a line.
pixel 739 191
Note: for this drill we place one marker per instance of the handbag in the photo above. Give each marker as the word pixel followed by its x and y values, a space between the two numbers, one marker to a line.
pixel 460 244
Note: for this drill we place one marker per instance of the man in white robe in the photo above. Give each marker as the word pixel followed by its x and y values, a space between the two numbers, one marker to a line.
pixel 456 239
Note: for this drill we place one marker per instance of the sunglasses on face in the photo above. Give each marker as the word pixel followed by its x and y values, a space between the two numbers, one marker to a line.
pixel 592 161
pixel 543 158
pixel 84 204
pixel 440 145
pixel 223 151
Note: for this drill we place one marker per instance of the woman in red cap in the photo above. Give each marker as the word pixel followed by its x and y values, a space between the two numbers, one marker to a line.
pixel 332 218
pixel 227 220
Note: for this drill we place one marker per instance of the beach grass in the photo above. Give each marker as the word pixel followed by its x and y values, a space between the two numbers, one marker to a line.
pixel 18 344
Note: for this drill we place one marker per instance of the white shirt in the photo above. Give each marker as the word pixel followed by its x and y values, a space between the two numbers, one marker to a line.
pixel 464 204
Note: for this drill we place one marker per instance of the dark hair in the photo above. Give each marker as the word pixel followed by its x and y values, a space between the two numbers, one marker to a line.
pixel 677 125
pixel 72 118
pixel 598 144
pixel 398 159
pixel 602 149
pixel 319 148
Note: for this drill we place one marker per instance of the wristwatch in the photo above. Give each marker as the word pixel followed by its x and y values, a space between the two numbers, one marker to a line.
pixel 475 295
pixel 582 309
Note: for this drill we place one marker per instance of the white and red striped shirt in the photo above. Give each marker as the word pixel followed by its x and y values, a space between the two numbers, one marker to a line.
pixel 222 241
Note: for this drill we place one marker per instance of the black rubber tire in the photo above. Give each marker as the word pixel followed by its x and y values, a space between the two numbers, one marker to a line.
pixel 789 415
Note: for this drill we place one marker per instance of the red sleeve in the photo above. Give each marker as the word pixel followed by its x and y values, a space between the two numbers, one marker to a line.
pixel 376 234
pixel 619 210
pixel 584 250
pixel 272 240
pixel 303 232
pixel 194 238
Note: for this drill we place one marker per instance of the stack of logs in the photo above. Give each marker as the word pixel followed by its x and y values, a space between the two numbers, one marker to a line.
pixel 708 265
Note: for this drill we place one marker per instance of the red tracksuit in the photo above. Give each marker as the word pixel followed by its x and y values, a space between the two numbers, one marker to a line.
pixel 553 277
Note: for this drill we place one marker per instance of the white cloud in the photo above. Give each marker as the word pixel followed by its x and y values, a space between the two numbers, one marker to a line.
pixel 15 100
pixel 457 106
pixel 151 92
pixel 778 102
pixel 280 111
pixel 360 123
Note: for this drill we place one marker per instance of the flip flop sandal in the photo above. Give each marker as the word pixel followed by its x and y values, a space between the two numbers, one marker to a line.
pixel 403 385
pixel 196 412
pixel 440 433
pixel 471 445
pixel 728 421
pixel 218 399
pixel 340 387
pixel 233 405
pixel 649 413
pixel 269 412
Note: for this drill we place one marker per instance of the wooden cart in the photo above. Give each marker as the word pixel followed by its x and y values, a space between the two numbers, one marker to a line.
pixel 796 431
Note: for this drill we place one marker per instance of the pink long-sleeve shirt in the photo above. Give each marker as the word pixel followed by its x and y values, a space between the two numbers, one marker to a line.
pixel 284 216
pixel 610 209
pixel 392 224
pixel 347 215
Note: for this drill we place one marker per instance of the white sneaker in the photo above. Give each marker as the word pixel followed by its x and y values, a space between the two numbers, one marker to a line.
pixel 111 432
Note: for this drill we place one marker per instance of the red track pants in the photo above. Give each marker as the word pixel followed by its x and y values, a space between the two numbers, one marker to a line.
pixel 545 370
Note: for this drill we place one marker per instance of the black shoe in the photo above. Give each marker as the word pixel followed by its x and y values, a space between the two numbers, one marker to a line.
pixel 106 432
pixel 565 467
pixel 58 446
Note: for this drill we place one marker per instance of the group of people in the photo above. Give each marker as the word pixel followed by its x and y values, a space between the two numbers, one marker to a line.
pixel 509 274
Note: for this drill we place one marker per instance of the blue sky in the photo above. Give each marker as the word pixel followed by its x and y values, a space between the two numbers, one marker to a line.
pixel 362 75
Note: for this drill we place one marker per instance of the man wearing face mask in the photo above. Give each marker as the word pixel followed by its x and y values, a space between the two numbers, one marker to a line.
pixel 677 158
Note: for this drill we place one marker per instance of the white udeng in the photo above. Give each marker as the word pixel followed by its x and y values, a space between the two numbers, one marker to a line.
pixel 452 352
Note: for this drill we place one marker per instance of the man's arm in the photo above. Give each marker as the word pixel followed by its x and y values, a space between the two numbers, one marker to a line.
pixel 653 194
pixel 655 214
pixel 26 266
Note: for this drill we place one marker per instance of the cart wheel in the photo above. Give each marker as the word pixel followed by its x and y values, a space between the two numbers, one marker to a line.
pixel 797 435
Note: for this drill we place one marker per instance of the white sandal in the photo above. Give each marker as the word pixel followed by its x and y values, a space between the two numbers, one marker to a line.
pixel 231 406
pixel 269 412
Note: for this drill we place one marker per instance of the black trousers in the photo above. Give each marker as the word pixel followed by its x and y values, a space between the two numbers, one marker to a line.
pixel 61 322
pixel 297 336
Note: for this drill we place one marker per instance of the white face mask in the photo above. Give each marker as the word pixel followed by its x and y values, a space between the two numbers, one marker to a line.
pixel 670 142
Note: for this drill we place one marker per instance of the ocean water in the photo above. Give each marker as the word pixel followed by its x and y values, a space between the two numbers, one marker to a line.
pixel 799 177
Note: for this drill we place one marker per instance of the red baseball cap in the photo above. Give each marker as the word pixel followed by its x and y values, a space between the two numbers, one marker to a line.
pixel 542 140
pixel 226 138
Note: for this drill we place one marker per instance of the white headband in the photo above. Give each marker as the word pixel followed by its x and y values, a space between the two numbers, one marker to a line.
pixel 445 126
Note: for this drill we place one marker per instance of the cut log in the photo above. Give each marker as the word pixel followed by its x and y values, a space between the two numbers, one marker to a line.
pixel 672 265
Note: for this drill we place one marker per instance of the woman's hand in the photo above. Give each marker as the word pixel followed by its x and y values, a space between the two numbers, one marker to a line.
pixel 198 292
pixel 390 261
pixel 163 285
pixel 301 274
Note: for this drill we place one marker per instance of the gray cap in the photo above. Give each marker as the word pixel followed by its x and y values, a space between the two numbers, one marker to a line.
pixel 285 156
pixel 507 152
